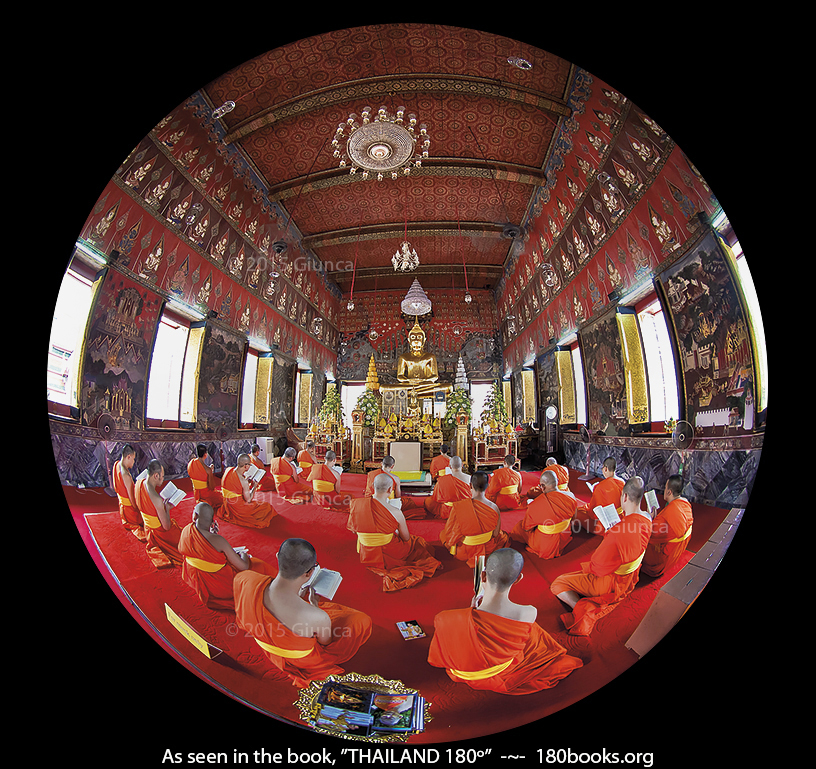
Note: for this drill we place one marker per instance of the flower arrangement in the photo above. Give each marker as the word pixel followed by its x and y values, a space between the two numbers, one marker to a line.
pixel 495 409
pixel 331 410
pixel 457 400
pixel 370 405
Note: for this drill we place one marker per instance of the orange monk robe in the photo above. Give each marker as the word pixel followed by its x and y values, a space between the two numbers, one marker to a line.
pixel 609 576
pixel 411 506
pixel 401 564
pixel 305 462
pixel 287 480
pixel 497 654
pixel 448 490
pixel 606 492
pixel 254 515
pixel 267 482
pixel 545 527
pixel 504 489
pixel 562 474
pixel 439 466
pixel 470 531
pixel 204 484
pixel 207 570
pixel 128 507
pixel 302 659
pixel 161 545
pixel 324 489
pixel 671 530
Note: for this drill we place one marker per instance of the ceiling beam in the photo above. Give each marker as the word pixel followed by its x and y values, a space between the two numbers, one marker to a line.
pixel 474 271
pixel 372 91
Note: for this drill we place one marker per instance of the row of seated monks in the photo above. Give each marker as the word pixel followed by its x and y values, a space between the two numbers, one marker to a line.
pixel 494 644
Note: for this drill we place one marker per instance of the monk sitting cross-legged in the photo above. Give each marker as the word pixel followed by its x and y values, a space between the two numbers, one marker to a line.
pixel 385 545
pixel 287 478
pixel 474 525
pixel 125 489
pixel 671 529
pixel 306 458
pixel 450 488
pixel 497 645
pixel 162 531
pixel 613 570
pixel 210 563
pixel 325 480
pixel 561 474
pixel 240 506
pixel 205 484
pixel 505 486
pixel 440 463
pixel 306 637
pixel 411 507
pixel 606 492
pixel 267 482
pixel 545 528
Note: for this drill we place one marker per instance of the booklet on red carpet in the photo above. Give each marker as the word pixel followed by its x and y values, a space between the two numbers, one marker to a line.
pixel 324 582
pixel 410 629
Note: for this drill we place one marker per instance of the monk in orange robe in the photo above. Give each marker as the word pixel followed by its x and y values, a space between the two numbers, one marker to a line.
pixel 240 506
pixel 613 570
pixel 545 528
pixel 267 482
pixel 450 488
pixel 605 492
pixel 497 645
pixel 125 489
pixel 306 458
pixel 287 478
pixel 561 474
pixel 671 530
pixel 210 562
pixel 505 486
pixel 411 506
pixel 325 480
pixel 306 637
pixel 440 463
pixel 162 531
pixel 385 545
pixel 205 485
pixel 474 525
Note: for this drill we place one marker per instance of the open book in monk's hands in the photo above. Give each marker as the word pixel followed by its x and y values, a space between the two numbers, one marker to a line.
pixel 324 582
pixel 172 494
pixel 651 500
pixel 255 473
pixel 607 515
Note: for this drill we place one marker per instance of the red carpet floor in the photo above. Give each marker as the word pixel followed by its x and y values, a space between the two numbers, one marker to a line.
pixel 458 712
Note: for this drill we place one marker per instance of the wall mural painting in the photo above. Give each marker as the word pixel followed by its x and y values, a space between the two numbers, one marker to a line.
pixel 714 344
pixel 604 376
pixel 117 352
pixel 219 381
pixel 283 394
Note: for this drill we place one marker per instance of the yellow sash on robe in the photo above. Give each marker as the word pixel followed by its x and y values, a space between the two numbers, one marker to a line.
pixel 208 566
pixel 199 484
pixel 281 479
pixel 554 528
pixel 322 486
pixel 151 521
pixel 124 501
pixel 374 539
pixel 685 536
pixel 628 568
pixel 229 494
pixel 478 675
pixel 292 654
pixel 509 489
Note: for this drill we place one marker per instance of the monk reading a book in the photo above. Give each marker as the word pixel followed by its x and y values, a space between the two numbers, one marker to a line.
pixel 613 570
pixel 162 531
pixel 474 525
pixel 287 477
pixel 450 488
pixel 240 506
pixel 210 562
pixel 306 458
pixel 440 463
pixel 385 545
pixel 497 645
pixel 671 529
pixel 605 492
pixel 545 528
pixel 306 637
pixel 325 480
pixel 505 486
pixel 411 507
pixel 205 484
pixel 125 489
pixel 561 474
pixel 267 482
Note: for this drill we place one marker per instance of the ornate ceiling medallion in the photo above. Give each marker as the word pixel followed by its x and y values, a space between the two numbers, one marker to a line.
pixel 382 144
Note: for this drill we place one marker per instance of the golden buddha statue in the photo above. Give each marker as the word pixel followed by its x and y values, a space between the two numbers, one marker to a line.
pixel 417 367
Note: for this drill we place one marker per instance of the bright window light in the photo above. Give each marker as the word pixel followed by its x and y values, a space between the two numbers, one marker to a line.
pixel 664 400
pixel 348 397
pixel 749 290
pixel 580 392
pixel 248 388
pixel 166 365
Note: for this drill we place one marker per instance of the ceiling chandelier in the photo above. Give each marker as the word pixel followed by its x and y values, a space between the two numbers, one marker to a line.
pixel 405 259
pixel 381 144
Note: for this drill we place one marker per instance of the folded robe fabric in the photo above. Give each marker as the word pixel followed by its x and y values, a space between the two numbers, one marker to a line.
pixel 468 531
pixel 606 492
pixel 267 482
pixel 302 659
pixel 128 507
pixel 411 507
pixel 207 570
pixel 253 515
pixel 439 467
pixel 448 490
pixel 545 527
pixel 203 485
pixel 288 485
pixel 504 489
pixel 493 653
pixel 161 545
pixel 401 564
pixel 324 489
pixel 671 530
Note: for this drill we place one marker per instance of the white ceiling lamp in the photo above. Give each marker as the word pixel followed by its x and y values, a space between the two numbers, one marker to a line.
pixel 416 301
